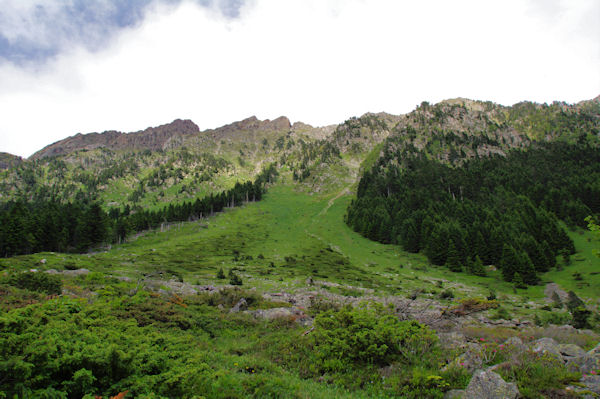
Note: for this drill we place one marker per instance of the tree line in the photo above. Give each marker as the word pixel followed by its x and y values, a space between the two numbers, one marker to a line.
pixel 500 210
pixel 77 226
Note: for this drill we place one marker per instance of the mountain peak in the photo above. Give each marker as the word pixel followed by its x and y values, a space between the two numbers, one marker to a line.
pixel 152 138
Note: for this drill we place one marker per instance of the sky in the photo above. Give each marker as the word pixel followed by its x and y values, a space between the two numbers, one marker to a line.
pixel 70 66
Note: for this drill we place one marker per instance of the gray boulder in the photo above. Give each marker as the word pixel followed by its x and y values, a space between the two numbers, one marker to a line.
pixel 453 340
pixel 454 394
pixel 571 350
pixel 489 385
pixel 595 351
pixel 588 388
pixel 240 306
pixel 292 313
pixel 585 364
pixel 471 359
pixel 77 272
pixel 592 383
pixel 546 345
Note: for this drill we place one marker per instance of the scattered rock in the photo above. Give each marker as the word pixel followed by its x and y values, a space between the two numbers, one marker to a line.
pixel 471 359
pixel 516 343
pixel 592 383
pixel 588 388
pixel 454 394
pixel 43 261
pixel 52 271
pixel 546 345
pixel 240 306
pixel 293 313
pixel 172 286
pixel 585 364
pixel 595 351
pixel 554 288
pixel 489 385
pixel 571 350
pixel 452 340
pixel 76 272
pixel 209 288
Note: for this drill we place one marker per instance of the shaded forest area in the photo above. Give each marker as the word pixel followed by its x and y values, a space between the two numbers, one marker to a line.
pixel 48 225
pixel 496 210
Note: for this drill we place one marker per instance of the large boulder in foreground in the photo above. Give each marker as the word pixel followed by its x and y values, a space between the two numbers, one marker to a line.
pixel 489 385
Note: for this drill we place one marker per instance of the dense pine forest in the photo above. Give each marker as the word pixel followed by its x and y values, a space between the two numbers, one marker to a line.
pixel 77 226
pixel 500 210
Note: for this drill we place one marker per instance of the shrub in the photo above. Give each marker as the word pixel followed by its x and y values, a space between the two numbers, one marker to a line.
pixel 472 305
pixel 234 279
pixel 321 305
pixel 365 336
pixel 580 317
pixel 501 313
pixel 35 281
pixel 447 294
pixel 221 274
pixel 536 373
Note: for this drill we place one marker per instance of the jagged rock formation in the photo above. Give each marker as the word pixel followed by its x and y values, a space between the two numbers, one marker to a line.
pixel 152 138
pixel 247 125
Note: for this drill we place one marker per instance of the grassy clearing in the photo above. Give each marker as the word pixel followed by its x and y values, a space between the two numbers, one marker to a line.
pixel 292 235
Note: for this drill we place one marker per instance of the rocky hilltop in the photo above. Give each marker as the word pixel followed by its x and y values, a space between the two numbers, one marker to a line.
pixel 152 138
pixel 9 160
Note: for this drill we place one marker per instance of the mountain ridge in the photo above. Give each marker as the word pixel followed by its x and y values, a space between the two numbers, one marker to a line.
pixel 171 134
pixel 152 138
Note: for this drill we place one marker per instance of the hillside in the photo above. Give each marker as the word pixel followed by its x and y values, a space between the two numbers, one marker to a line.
pixel 247 299
pixel 9 161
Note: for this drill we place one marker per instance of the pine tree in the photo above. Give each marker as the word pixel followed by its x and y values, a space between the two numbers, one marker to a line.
pixel 437 246
pixel 476 267
pixel 508 262
pixel 518 281
pixel 409 236
pixel 453 259
pixel 526 269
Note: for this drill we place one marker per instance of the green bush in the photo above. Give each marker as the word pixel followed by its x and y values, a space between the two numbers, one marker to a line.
pixel 535 374
pixel 447 294
pixel 36 281
pixel 352 337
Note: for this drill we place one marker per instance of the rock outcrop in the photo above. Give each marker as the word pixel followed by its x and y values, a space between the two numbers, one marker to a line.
pixel 152 138
pixel 489 385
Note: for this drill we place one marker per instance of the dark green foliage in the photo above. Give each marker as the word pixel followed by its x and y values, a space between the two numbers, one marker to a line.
pixel 354 337
pixel 476 267
pixel 580 317
pixel 35 281
pixel 221 274
pixel 53 226
pixel 501 209
pixel 234 279
pixel 453 259
pixel 574 301
pixel 447 294
pixel 535 374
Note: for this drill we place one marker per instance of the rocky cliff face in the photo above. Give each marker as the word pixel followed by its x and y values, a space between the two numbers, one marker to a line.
pixel 237 130
pixel 152 138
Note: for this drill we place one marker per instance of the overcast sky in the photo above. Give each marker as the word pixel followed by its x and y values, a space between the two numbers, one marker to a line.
pixel 69 66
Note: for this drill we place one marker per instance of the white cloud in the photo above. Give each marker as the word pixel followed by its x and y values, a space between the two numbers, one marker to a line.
pixel 318 61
